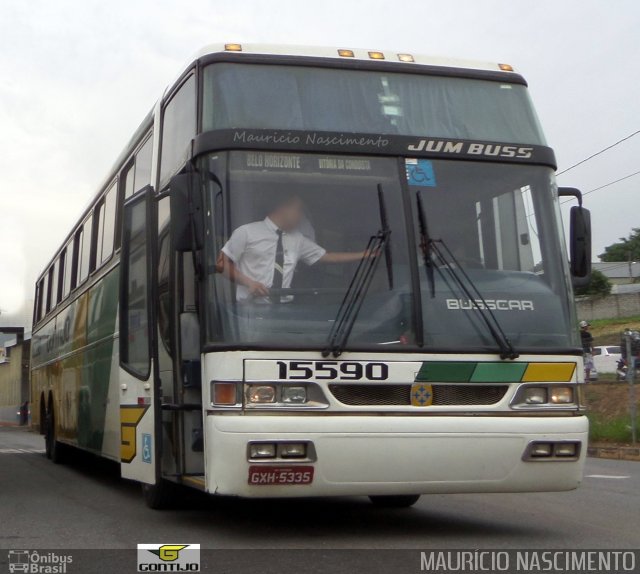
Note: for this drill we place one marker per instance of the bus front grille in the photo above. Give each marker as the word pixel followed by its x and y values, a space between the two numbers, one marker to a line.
pixel 400 395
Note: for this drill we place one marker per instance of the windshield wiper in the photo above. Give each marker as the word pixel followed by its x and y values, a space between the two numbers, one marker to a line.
pixel 426 245
pixel 360 283
pixel 431 247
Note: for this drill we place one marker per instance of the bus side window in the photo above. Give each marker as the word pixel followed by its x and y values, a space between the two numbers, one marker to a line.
pixel 84 264
pixel 75 264
pixel 61 273
pixel 178 127
pixel 66 277
pixel 51 279
pixel 84 250
pixel 128 181
pixel 105 219
pixel 143 165
pixel 40 299
pixel 138 173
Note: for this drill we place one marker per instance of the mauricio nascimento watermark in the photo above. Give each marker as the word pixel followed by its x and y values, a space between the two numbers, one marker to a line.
pixel 575 561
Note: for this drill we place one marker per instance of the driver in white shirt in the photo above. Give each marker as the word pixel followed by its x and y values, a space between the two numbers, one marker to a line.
pixel 251 260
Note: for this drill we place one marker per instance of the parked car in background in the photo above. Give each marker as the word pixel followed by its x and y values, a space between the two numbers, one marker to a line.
pixel 606 357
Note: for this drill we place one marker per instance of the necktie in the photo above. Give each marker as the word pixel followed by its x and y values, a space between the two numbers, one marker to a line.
pixel 278 271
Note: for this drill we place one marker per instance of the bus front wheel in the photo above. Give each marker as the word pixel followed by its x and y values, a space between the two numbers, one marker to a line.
pixel 53 449
pixel 400 501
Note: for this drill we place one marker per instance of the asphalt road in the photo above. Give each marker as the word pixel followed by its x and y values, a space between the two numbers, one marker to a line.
pixel 86 505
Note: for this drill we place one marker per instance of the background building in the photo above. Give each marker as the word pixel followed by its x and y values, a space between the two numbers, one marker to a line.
pixel 14 372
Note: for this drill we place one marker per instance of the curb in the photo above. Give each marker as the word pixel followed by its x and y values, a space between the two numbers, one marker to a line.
pixel 615 452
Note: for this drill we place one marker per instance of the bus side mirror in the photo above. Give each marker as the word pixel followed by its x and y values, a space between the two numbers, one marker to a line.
pixel 580 245
pixel 187 219
pixel 579 238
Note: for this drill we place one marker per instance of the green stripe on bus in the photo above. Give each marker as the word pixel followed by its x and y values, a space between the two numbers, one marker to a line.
pixel 470 372
pixel 446 372
pixel 498 372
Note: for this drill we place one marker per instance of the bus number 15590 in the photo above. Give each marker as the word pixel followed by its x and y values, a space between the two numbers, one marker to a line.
pixel 332 371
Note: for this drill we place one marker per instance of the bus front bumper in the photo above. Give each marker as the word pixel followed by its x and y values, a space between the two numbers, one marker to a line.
pixel 387 455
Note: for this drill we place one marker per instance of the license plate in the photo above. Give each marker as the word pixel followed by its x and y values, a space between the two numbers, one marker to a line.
pixel 271 475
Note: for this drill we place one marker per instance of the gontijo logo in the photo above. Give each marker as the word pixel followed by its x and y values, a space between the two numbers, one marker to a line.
pixel 168 557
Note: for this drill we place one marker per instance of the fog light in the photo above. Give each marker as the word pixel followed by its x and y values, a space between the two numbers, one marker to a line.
pixel 568 449
pixel 561 395
pixel 541 450
pixel 293 450
pixel 262 450
pixel 296 395
pixel 259 394
pixel 535 395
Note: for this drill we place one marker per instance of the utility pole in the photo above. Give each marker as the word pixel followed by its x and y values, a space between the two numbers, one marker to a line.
pixel 631 376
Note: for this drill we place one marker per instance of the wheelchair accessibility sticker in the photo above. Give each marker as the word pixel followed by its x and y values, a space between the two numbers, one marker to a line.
pixel 146 448
pixel 420 173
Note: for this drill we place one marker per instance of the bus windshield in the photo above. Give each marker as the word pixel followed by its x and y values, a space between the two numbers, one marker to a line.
pixel 346 100
pixel 286 233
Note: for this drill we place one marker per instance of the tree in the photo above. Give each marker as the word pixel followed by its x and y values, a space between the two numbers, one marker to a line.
pixel 598 286
pixel 623 249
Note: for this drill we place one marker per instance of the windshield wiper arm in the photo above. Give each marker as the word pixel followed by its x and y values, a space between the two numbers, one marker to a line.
pixel 384 223
pixel 360 283
pixel 431 247
pixel 426 245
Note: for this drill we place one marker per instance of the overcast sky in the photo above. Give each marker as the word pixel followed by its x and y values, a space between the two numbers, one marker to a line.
pixel 78 76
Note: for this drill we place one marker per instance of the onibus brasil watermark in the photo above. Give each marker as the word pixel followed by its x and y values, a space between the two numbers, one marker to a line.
pixel 35 562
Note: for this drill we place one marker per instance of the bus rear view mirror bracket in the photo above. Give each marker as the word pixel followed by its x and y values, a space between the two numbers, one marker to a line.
pixel 186 212
pixel 579 238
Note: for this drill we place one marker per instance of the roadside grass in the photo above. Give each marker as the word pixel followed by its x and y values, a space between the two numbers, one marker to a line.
pixel 608 412
pixel 607 331
pixel 617 430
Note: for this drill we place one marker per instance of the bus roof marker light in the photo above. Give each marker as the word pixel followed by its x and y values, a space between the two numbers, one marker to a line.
pixel 406 58
pixel 233 47
pixel 376 55
pixel 346 53
pixel 506 67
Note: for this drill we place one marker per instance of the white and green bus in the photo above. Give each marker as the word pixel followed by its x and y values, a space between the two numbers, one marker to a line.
pixel 318 272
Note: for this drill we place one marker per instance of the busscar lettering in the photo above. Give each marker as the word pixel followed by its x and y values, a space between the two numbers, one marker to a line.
pixel 491 304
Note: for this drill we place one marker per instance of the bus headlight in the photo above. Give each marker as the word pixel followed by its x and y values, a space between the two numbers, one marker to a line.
pixel 545 396
pixel 535 395
pixel 294 395
pixel 261 394
pixel 561 395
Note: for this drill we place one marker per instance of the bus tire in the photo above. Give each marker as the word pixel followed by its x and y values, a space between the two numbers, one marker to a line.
pixel 159 496
pixel 400 501
pixel 54 450
pixel 42 424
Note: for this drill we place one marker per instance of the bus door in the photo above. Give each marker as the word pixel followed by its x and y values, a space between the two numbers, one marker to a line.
pixel 138 368
pixel 188 368
pixel 178 351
